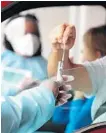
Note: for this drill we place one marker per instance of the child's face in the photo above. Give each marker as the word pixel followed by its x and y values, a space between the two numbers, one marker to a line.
pixel 88 54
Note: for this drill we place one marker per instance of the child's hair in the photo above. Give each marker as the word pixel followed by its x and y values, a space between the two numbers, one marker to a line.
pixel 95 39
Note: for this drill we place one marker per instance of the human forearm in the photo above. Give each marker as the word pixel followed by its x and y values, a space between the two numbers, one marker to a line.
pixel 67 36
pixel 82 81
pixel 37 104
pixel 53 59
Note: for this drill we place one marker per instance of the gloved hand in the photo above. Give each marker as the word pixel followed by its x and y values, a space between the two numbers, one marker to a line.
pixel 64 33
pixel 63 95
pixel 59 90
pixel 52 85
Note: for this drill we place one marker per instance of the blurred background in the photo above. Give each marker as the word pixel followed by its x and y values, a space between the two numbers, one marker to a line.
pixel 83 17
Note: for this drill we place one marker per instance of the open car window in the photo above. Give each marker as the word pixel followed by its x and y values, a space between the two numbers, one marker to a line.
pixel 50 15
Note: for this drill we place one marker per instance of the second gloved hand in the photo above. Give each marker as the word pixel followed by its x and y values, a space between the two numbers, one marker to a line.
pixel 63 95
pixel 59 90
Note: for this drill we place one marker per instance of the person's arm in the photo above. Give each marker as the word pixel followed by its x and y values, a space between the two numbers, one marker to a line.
pixel 81 80
pixel 66 35
pixel 57 48
pixel 80 73
pixel 53 59
pixel 56 56
pixel 27 111
pixel 89 77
